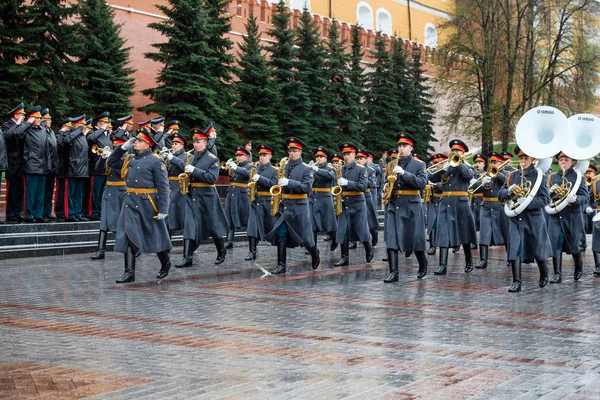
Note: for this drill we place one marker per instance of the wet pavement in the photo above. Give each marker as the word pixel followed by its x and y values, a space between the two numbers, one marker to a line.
pixel 68 331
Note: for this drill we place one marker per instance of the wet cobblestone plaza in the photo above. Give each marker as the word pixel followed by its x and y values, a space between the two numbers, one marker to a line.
pixel 68 331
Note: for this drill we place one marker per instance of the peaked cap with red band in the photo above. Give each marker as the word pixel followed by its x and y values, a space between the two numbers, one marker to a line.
pixel 20 109
pixel 438 157
pixel 336 157
pixel 592 168
pixel 495 156
pixel 457 144
pixel 508 156
pixel 241 151
pixel 146 134
pixel 198 133
pixel 294 142
pixel 265 149
pixel 361 153
pixel 403 137
pixel 348 147
pixel 179 138
pixel 393 153
pixel 519 152
pixel 322 151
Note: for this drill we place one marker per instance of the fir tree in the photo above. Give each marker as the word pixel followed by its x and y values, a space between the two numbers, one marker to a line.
pixel 294 102
pixel 399 76
pixel 357 79
pixel 106 81
pixel 256 92
pixel 193 85
pixel 381 100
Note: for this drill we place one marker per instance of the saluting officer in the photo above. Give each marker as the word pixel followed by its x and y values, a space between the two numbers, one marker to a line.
pixel 455 225
pixel 98 136
pixel 321 200
pixel 114 192
pixel 204 216
pixel 236 203
pixel 405 221
pixel 52 149
pixel 479 168
pixel 432 206
pixel 361 159
pixel 14 176
pixel 527 236
pixel 176 219
pixel 291 228
pixel 160 137
pixel 172 130
pixel 260 220
pixel 77 167
pixel 61 206
pixel 352 222
pixel 565 228
pixel 141 226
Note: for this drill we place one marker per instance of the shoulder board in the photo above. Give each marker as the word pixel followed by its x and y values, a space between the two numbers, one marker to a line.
pixel 211 155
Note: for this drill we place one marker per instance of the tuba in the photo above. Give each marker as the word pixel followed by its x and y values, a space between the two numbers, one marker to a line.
pixel 336 191
pixel 389 185
pixel 252 185
pixel 541 133
pixel 185 178
pixel 277 189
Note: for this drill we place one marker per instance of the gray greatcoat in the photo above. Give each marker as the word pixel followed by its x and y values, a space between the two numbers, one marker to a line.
pixel 295 213
pixel 175 166
pixel 587 219
pixel 136 221
pixel 595 191
pixel 494 222
pixel 236 203
pixel 432 209
pixel 455 224
pixel 353 219
pixel 476 201
pixel 527 232
pixel 204 216
pixel 404 219
pixel 371 208
pixel 321 203
pixel 567 226
pixel 260 220
pixel 112 196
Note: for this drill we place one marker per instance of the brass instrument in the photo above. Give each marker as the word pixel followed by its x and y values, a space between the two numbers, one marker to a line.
pixel 435 167
pixel 336 191
pixel 589 180
pixel 277 189
pixel 389 185
pixel 428 192
pixel 184 177
pixel 101 151
pixel 492 172
pixel 522 189
pixel 252 185
pixel 561 191
pixel 456 159
pixel 163 152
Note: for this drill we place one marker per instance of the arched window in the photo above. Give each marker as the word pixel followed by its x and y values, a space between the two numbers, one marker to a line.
pixel 431 38
pixel 299 4
pixel 384 21
pixel 364 15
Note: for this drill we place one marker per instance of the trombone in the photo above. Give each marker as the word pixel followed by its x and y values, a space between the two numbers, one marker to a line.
pixel 589 180
pixel 456 159
pixel 492 172
pixel 436 167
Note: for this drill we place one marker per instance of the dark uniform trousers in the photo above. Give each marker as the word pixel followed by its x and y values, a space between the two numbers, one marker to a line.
pixel 260 220
pixel 493 229
pixel 321 203
pixel 49 194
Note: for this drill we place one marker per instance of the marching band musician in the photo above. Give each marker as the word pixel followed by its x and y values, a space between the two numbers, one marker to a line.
pixel 292 228
pixel 479 167
pixel 592 204
pixel 508 156
pixel 99 137
pixel 114 193
pixel 321 199
pixel 592 208
pixel 260 220
pixel 172 130
pixel 528 236
pixel 141 226
pixel 335 161
pixel 566 227
pixel 432 207
pixel 404 215
pixel 236 203
pixel 361 159
pixel 176 219
pixel 352 222
pixel 455 225
pixel 378 179
pixel 204 216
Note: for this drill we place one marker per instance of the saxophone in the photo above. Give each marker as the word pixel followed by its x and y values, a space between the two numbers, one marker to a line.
pixel 389 185
pixel 185 178
pixel 336 191
pixel 252 185
pixel 276 189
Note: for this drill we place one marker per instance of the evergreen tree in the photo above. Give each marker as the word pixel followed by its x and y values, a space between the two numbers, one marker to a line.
pixel 356 76
pixel 380 100
pixel 294 103
pixel 402 86
pixel 193 85
pixel 106 82
pixel 256 92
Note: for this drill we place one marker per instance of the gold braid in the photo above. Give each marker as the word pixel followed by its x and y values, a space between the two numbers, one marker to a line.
pixel 125 166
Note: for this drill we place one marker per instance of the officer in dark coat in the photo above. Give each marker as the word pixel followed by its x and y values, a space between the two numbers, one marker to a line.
pixel 352 222
pixel 375 188
pixel 292 228
pixel 62 153
pixel 52 150
pixel 14 175
pixel 321 200
pixel 361 159
pixel 204 216
pixel 114 192
pixel 172 130
pixel 176 220
pixel 405 221
pixel 433 204
pixel 76 169
pixel 480 164
pixel 591 210
pixel 125 127
pixel 455 224
pixel 3 156
pixel 236 203
pixel 566 227
pixel 493 221
pixel 158 125
pixel 590 174
pixel 528 236
pixel 141 227
pixel 98 136
pixel 260 220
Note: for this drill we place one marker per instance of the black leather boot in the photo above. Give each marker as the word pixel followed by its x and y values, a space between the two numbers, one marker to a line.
pixel 443 261
pixel 578 261
pixel 314 255
pixel 129 274
pixel 281 259
pixel 165 264
pixel 516 273
pixel 352 245
pixel 431 250
pixel 455 249
pixel 597 263
pixel 483 257
pixel 334 244
pixel 423 264
pixel 188 254
pixel 345 260
pixel 252 248
pixel 393 264
pixel 468 258
pixel 543 267
pixel 230 236
pixel 315 240
pixel 221 250
pixel 101 246
pixel 374 236
pixel 369 253
pixel 557 264
pixel 473 246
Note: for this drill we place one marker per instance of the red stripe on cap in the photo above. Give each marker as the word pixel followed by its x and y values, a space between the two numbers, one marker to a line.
pixel 496 158
pixel 146 138
pixel 179 140
pixel 406 140
pixel 320 153
pixel 295 145
pixel 118 141
pixel 200 135
pixel 348 150
pixel 265 151
pixel 241 153
pixel 457 146
pixel 361 154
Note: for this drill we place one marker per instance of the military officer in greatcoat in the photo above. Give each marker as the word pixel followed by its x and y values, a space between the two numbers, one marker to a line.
pixel 176 218
pixel 528 236
pixel 141 226
pixel 291 228
pixel 479 169
pixel 335 161
pixel 352 222
pixel 52 150
pixel 3 156
pixel 455 224
pixel 566 227
pixel 76 167
pixel 158 125
pixel 14 176
pixel 375 189
pixel 62 194
pixel 321 200
pixel 100 137
pixel 172 130
pixel 433 204
pixel 114 191
pixel 591 210
pixel 260 220
pixel 236 203
pixel 204 216
pixel 361 159
pixel 590 174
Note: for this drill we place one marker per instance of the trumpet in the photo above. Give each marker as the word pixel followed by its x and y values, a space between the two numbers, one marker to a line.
pixel 492 172
pixel 163 153
pixel 589 180
pixel 103 152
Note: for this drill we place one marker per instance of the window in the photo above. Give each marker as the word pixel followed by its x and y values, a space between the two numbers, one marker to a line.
pixel 431 38
pixel 300 4
pixel 364 15
pixel 384 21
